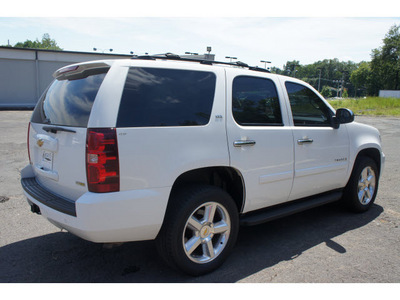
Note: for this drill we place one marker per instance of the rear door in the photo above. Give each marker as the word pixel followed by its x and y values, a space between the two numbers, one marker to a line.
pixel 57 134
pixel 260 139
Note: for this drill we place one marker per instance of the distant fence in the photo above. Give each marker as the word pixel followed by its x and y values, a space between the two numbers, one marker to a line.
pixel 26 73
pixel 389 94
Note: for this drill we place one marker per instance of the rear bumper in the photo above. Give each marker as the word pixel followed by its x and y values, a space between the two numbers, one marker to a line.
pixel 104 218
pixel 35 190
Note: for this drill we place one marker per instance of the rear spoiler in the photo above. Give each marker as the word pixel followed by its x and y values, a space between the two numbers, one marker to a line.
pixel 79 70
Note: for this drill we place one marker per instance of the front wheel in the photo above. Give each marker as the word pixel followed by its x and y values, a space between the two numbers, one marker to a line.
pixel 200 229
pixel 362 187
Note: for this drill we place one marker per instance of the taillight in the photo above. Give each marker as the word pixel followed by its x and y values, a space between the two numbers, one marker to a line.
pixel 102 163
pixel 27 142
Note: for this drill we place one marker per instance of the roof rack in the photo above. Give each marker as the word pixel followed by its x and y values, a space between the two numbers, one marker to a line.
pixel 172 56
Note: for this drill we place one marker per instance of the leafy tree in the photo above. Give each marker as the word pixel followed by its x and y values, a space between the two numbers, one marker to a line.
pixel 385 63
pixel 321 73
pixel 45 43
pixel 291 68
pixel 326 92
pixel 361 77
pixel 276 70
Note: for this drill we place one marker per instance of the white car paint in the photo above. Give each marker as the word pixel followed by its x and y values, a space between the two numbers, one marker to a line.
pixel 275 170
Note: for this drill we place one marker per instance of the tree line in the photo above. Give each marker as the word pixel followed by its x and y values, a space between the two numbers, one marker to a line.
pixel 46 43
pixel 334 78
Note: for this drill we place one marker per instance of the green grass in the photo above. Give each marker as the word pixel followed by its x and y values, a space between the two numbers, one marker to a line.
pixel 372 106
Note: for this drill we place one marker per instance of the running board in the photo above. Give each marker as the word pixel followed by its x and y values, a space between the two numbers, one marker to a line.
pixel 293 207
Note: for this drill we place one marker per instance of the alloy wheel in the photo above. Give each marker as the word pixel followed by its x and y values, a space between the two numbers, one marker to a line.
pixel 366 185
pixel 206 232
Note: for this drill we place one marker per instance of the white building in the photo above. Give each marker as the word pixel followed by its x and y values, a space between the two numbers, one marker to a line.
pixel 26 73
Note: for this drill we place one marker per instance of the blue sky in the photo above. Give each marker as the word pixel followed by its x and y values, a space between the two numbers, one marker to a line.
pixel 302 36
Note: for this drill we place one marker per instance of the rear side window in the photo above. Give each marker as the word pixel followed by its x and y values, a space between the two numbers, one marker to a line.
pixel 255 102
pixel 166 97
pixel 69 101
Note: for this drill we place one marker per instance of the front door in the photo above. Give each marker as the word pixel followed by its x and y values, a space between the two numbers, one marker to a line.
pixel 321 152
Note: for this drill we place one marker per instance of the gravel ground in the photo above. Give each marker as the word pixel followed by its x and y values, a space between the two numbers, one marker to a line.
pixel 323 245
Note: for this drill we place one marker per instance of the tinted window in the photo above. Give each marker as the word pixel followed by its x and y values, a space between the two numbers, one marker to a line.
pixel 307 108
pixel 166 97
pixel 255 102
pixel 69 101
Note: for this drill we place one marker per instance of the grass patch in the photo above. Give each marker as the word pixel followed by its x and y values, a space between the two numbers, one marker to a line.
pixel 371 106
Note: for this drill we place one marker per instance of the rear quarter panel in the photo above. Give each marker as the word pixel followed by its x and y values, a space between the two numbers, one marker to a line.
pixel 153 157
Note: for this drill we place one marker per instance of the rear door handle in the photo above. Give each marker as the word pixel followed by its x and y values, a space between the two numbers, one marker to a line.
pixel 304 141
pixel 241 143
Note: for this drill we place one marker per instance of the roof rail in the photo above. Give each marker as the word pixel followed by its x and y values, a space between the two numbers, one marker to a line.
pixel 172 56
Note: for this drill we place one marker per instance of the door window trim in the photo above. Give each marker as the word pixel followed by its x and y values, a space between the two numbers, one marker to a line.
pixel 258 124
pixel 330 112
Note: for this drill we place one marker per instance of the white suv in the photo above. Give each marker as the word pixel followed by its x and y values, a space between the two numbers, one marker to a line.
pixel 185 151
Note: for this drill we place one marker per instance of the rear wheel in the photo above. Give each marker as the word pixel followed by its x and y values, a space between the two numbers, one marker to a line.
pixel 200 229
pixel 362 187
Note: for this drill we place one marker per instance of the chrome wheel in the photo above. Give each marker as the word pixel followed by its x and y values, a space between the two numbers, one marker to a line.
pixel 206 232
pixel 366 185
pixel 200 229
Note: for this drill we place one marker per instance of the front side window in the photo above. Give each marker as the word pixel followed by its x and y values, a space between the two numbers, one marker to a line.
pixel 155 97
pixel 255 102
pixel 307 108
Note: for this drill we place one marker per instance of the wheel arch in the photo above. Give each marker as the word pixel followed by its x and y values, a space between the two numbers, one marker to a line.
pixel 373 153
pixel 226 178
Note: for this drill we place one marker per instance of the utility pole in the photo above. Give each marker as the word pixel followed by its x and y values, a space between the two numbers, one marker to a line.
pixel 294 70
pixel 319 79
pixel 337 90
pixel 342 87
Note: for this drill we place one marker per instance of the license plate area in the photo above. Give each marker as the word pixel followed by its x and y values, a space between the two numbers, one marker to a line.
pixel 47 160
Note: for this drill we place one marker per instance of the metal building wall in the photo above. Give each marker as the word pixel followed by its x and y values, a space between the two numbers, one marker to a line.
pixel 26 73
pixel 389 94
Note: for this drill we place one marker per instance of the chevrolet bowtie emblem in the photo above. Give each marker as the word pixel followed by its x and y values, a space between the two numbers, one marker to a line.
pixel 40 142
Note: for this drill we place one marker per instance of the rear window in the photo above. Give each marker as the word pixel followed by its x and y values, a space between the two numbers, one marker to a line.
pixel 68 101
pixel 166 97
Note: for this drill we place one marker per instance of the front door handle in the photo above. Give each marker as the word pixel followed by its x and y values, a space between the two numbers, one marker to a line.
pixel 241 143
pixel 304 141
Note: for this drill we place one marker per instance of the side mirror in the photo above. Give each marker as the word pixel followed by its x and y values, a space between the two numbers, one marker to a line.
pixel 343 116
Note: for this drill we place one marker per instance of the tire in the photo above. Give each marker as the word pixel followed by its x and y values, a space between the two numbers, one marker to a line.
pixel 361 190
pixel 199 230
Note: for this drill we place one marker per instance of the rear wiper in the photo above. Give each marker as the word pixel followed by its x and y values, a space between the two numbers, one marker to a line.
pixel 54 129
